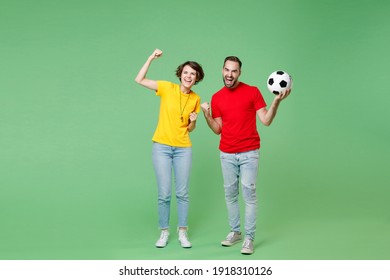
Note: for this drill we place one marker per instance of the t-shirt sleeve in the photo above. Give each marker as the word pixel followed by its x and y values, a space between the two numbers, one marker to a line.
pixel 259 100
pixel 197 106
pixel 215 112
pixel 163 87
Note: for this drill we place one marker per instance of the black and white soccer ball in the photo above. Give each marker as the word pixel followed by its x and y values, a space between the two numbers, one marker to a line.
pixel 279 81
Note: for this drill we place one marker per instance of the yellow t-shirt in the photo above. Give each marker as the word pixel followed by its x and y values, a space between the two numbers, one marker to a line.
pixel 171 129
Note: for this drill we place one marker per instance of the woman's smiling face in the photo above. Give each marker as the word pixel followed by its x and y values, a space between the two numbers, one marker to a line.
pixel 188 77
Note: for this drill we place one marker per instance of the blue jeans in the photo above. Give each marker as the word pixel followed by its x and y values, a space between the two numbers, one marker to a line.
pixel 165 159
pixel 242 166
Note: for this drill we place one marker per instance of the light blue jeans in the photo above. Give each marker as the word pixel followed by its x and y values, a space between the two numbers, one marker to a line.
pixel 242 166
pixel 165 160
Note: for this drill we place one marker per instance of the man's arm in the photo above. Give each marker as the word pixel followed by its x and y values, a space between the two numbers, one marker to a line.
pixel 214 124
pixel 267 116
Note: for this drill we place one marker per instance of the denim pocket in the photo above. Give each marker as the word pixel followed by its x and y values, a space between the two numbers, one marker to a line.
pixel 252 154
pixel 222 155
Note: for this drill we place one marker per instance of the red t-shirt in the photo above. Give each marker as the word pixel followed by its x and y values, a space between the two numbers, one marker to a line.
pixel 237 107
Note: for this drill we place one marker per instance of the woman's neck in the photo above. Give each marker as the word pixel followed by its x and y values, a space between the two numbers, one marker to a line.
pixel 184 89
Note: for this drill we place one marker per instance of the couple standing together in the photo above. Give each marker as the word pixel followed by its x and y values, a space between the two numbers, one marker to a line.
pixel 233 116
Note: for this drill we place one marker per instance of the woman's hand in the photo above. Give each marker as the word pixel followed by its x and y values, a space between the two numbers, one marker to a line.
pixel 193 116
pixel 156 54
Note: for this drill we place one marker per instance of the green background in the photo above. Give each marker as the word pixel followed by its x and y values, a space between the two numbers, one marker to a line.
pixel 75 129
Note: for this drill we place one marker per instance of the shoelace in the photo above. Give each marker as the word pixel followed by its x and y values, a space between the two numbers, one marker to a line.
pixel 183 234
pixel 246 244
pixel 163 235
pixel 230 236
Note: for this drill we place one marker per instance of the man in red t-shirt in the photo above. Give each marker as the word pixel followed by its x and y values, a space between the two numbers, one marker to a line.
pixel 234 109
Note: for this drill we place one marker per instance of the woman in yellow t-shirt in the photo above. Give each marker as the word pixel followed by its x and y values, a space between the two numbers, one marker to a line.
pixel 179 108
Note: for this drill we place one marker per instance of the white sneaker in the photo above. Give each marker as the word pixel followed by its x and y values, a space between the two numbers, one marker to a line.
pixel 247 247
pixel 163 240
pixel 232 238
pixel 183 239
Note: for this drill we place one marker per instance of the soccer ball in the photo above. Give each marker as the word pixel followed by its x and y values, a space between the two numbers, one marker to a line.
pixel 279 81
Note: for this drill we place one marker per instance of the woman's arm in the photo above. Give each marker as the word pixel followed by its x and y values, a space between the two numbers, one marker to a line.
pixel 192 124
pixel 141 77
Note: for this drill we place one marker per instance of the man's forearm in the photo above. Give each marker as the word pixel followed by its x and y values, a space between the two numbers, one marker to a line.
pixel 214 126
pixel 271 113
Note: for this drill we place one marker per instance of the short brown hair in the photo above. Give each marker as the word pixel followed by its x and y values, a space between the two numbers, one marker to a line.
pixel 194 65
pixel 234 59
